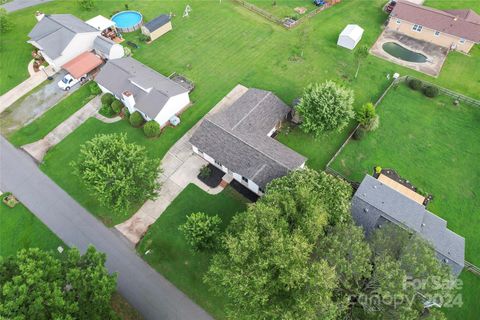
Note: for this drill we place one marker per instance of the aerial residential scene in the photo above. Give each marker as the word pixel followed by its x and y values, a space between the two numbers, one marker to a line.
pixel 239 159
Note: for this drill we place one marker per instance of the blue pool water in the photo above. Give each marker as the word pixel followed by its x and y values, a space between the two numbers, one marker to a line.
pixel 127 19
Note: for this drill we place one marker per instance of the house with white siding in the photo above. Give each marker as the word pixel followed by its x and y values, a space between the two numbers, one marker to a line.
pixel 143 89
pixel 238 139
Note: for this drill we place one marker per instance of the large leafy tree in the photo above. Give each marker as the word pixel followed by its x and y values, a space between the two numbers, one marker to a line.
pixel 325 107
pixel 267 266
pixel 41 285
pixel 118 173
pixel 5 22
pixel 201 231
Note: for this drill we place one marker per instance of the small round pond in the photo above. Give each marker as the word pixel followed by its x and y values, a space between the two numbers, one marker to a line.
pixel 402 53
pixel 128 21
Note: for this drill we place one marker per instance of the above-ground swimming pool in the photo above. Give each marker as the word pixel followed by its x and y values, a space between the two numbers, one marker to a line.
pixel 402 53
pixel 128 21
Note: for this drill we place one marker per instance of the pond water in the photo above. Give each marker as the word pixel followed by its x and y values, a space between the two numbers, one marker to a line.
pixel 396 50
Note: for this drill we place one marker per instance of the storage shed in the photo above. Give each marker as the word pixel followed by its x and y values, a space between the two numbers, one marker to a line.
pixel 157 27
pixel 107 48
pixel 350 36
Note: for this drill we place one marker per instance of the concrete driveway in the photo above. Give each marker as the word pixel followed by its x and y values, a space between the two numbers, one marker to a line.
pixel 27 109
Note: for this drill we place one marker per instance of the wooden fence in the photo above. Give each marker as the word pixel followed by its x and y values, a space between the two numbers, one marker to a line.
pixel 261 12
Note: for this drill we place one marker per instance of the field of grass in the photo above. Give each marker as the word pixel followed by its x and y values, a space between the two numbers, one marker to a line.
pixel 20 229
pixel 469 292
pixel 283 8
pixel 41 126
pixel 433 144
pixel 172 256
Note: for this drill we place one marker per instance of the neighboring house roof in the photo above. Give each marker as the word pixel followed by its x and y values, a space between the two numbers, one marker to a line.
pixel 55 32
pixel 100 23
pixel 237 137
pixel 158 22
pixel 103 45
pixel 151 90
pixel 375 202
pixel 82 64
pixel 461 23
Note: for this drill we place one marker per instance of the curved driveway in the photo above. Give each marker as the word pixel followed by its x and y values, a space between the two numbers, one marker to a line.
pixel 150 293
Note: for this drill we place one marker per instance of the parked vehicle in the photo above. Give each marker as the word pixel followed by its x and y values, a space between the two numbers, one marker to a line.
pixel 318 3
pixel 390 6
pixel 68 81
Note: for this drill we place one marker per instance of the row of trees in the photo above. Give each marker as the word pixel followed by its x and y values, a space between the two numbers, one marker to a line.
pixel 296 254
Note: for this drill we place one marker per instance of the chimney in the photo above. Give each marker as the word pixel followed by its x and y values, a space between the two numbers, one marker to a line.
pixel 39 15
pixel 128 100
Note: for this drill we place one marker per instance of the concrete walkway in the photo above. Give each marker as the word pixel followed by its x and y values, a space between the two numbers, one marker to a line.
pixel 146 290
pixel 23 88
pixel 22 4
pixel 180 168
pixel 39 148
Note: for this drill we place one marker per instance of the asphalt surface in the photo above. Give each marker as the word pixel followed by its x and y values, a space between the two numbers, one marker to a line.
pixel 22 4
pixel 150 293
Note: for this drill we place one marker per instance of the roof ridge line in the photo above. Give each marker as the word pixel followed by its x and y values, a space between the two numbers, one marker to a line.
pixel 255 107
pixel 248 144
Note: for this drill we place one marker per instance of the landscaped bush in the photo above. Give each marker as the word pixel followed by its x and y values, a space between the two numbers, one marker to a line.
pixel 144 38
pixel 136 119
pixel 94 88
pixel 205 171
pixel 367 117
pixel 359 134
pixel 201 230
pixel 117 106
pixel 151 129
pixel 107 99
pixel 415 84
pixel 126 113
pixel 107 111
pixel 430 91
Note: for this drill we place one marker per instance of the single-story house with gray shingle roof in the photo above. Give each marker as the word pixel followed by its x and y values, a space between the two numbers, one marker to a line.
pixel 61 37
pixel 237 139
pixel 375 203
pixel 143 89
pixel 157 27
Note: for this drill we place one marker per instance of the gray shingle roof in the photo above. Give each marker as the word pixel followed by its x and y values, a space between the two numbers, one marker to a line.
pixel 158 22
pixel 54 32
pixel 103 45
pixel 374 201
pixel 124 74
pixel 237 137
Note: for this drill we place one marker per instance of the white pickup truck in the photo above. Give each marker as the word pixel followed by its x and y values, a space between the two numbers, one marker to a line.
pixel 68 81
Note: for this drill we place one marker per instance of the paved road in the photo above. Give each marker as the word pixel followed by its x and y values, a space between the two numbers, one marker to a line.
pixel 142 286
pixel 22 4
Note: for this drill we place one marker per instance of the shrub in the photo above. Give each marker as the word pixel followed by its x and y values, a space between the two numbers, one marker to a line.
pixel 107 99
pixel 367 116
pixel 117 106
pixel 151 129
pixel 136 119
pixel 359 134
pixel 201 230
pixel 94 88
pixel 205 171
pixel 126 113
pixel 415 84
pixel 5 22
pixel 144 38
pixel 431 91
pixel 86 4
pixel 378 169
pixel 106 111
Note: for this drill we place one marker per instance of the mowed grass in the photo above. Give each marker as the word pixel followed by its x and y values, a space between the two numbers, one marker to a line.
pixel 283 8
pixel 469 293
pixel 173 257
pixel 436 146
pixel 41 126
pixel 20 229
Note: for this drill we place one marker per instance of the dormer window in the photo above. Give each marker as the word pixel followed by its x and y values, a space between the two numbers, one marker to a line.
pixel 437 33
pixel 398 21
pixel 417 27
pixel 462 41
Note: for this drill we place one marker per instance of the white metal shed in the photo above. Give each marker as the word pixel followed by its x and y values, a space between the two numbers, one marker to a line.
pixel 350 36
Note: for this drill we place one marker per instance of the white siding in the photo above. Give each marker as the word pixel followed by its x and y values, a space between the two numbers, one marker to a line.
pixel 174 106
pixel 80 43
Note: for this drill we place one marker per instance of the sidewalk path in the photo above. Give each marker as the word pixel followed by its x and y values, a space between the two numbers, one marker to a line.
pixel 39 148
pixel 22 4
pixel 180 168
pixel 23 88
pixel 149 292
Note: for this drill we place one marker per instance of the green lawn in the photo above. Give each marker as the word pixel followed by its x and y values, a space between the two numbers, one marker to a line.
pixel 20 229
pixel 433 144
pixel 470 292
pixel 41 126
pixel 283 8
pixel 171 255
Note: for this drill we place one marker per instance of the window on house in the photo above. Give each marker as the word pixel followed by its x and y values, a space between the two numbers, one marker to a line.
pixel 437 33
pixel 462 40
pixel 398 21
pixel 218 163
pixel 417 27
pixel 244 179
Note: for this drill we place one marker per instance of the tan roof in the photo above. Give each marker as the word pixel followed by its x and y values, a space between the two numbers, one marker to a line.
pixel 461 23
pixel 409 193
pixel 82 64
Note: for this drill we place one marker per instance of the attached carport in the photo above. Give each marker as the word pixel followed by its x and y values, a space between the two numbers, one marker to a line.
pixel 82 64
